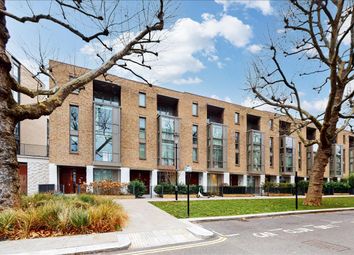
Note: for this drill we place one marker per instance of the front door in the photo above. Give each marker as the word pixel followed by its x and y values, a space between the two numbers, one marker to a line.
pixel 22 174
pixel 143 176
pixel 71 178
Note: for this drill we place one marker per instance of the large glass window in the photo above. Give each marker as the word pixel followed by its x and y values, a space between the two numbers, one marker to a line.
pixel 336 167
pixel 286 154
pixel 237 148
pixel 351 160
pixel 299 158
pixel 142 99
pixel 142 138
pixel 74 128
pixel 167 133
pixel 103 133
pixel 195 143
pixel 255 151
pixel 105 175
pixel 215 146
pixel 271 152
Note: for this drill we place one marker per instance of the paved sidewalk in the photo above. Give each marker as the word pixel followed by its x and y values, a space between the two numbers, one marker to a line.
pixel 150 227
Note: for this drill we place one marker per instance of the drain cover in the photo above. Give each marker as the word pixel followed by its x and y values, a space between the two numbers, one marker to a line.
pixel 326 245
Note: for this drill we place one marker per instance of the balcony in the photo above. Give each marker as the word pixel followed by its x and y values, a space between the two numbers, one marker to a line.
pixel 217 147
pixel 287 155
pixel 336 161
pixel 310 157
pixel 351 160
pixel 168 134
pixel 255 152
pixel 106 117
pixel 34 150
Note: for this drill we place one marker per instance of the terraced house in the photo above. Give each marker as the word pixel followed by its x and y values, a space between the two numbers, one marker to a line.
pixel 122 130
pixel 31 136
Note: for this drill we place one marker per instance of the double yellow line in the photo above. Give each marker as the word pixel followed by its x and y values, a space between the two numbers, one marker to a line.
pixel 174 248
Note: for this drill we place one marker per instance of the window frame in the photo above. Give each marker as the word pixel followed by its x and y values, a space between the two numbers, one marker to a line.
pixel 139 96
pixel 237 120
pixel 194 104
pixel 195 145
pixel 142 141
pixel 237 148
pixel 74 133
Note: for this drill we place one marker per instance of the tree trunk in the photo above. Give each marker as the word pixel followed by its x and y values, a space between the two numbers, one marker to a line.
pixel 9 183
pixel 314 192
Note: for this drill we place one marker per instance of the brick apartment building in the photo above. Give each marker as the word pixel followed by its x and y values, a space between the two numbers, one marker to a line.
pixel 122 130
pixel 31 136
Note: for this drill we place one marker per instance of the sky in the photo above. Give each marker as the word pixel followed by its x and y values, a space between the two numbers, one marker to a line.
pixel 207 47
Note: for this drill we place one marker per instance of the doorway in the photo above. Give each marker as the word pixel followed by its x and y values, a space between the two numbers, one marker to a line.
pixel 22 174
pixel 143 176
pixel 70 178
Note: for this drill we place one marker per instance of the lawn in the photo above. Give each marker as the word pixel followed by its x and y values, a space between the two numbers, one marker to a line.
pixel 207 208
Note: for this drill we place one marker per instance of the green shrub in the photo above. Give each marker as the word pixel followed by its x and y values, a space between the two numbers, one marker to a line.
pixel 168 188
pixel 79 218
pixel 137 188
pixel 50 215
pixel 303 185
pixel 351 180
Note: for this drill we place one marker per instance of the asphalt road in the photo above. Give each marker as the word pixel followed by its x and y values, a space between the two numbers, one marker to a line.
pixel 324 233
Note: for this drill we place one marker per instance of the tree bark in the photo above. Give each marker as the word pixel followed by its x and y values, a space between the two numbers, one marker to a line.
pixel 314 192
pixel 9 184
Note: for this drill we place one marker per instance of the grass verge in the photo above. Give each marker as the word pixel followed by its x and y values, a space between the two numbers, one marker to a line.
pixel 209 208
pixel 44 215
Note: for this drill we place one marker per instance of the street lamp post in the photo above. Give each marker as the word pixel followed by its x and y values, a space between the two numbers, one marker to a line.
pixel 176 164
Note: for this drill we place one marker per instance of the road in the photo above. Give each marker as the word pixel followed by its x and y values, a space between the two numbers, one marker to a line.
pixel 324 233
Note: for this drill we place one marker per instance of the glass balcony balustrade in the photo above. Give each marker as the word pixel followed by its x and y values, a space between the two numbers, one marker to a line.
pixel 255 152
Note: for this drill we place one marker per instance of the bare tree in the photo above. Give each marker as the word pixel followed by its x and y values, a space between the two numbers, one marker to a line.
pixel 105 17
pixel 324 37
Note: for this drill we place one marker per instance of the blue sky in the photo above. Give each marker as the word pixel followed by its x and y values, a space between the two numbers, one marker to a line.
pixel 207 48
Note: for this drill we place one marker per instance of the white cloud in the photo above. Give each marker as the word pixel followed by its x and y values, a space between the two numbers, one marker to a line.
pixel 263 5
pixel 189 80
pixel 183 46
pixel 226 99
pixel 315 106
pixel 255 102
pixel 344 28
pixel 254 48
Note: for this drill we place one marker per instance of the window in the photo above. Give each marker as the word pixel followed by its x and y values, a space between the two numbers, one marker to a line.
pixel 15 71
pixel 271 152
pixel 344 166
pixel 237 148
pixel 195 109
pixel 167 133
pixel 74 128
pixel 237 118
pixel 142 138
pixel 343 139
pixel 105 175
pixel 299 150
pixel 142 99
pixel 195 143
pixel 270 124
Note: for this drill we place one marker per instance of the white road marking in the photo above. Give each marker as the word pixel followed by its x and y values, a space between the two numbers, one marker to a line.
pixel 275 229
pixel 223 235
pixel 264 234
pixel 175 248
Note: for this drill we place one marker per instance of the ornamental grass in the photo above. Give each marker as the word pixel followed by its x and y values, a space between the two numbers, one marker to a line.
pixel 45 215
